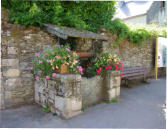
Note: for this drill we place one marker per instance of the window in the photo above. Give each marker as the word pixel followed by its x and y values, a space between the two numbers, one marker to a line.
pixel 162 4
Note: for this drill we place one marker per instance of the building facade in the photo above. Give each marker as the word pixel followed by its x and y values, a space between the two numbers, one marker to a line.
pixel 157 13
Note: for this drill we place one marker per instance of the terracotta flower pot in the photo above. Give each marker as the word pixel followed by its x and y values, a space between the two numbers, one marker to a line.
pixel 63 69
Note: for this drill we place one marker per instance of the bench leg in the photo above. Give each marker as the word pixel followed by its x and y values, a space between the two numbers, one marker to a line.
pixel 126 82
pixel 145 79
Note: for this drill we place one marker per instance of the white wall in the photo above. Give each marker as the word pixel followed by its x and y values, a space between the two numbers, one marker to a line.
pixel 136 20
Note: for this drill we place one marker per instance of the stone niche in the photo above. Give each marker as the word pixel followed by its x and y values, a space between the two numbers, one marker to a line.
pixel 67 93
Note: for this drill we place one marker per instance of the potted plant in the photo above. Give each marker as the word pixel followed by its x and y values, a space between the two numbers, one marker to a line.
pixel 105 62
pixel 56 60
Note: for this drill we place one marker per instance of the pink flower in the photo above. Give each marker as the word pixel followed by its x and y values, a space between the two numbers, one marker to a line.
pixel 80 69
pixel 31 68
pixel 109 66
pixel 117 68
pixel 47 77
pixel 58 57
pixel 40 62
pixel 121 74
pixel 103 65
pixel 100 68
pixel 98 72
pixel 48 61
pixel 46 54
pixel 37 77
pixel 37 54
pixel 106 67
pixel 53 74
pixel 68 49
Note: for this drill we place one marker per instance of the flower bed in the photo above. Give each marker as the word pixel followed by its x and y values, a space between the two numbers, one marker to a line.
pixel 56 60
pixel 105 62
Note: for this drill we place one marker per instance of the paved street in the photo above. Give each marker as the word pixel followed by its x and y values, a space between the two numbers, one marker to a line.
pixel 139 107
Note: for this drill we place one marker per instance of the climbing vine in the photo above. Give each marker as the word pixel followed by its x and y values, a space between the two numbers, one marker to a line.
pixel 135 33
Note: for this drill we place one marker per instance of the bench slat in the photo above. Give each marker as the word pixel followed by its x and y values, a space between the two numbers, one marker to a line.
pixel 134 74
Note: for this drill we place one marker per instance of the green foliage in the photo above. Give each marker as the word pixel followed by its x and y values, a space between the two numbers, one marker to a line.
pixel 79 14
pixel 46 109
pixel 135 33
pixel 110 101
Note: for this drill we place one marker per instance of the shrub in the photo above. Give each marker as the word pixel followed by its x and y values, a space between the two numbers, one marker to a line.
pixel 89 15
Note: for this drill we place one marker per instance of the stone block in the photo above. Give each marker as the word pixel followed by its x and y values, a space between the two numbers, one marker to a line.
pixel 10 62
pixel 12 50
pixel 11 73
pixel 39 86
pixel 76 104
pixel 4 50
pixel 117 91
pixel 116 81
pixel 111 94
pixel 67 107
pixel 13 82
pixel 37 99
pixel 27 81
pixel 59 103
pixel 24 65
pixel 2 105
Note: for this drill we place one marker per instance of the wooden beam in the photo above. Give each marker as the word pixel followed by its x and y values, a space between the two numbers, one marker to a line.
pixel 84 54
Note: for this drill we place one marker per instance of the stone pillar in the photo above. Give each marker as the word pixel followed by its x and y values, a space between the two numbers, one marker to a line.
pixel 112 85
pixel 61 94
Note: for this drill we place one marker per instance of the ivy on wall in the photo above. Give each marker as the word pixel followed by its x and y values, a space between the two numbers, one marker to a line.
pixel 135 33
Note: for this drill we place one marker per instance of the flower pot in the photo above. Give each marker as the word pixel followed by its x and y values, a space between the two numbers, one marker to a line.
pixel 84 54
pixel 63 69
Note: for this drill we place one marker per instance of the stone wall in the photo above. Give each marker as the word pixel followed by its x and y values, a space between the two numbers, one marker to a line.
pixel 131 54
pixel 19 45
pixel 67 93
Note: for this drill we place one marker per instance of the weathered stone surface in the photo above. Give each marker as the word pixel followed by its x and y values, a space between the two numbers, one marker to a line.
pixel 63 96
pixel 111 94
pixel 117 91
pixel 12 73
pixel 92 90
pixel 12 50
pixel 10 62
pixel 13 82
pixel 112 84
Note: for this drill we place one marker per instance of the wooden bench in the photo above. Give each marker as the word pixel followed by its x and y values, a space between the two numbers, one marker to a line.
pixel 130 73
